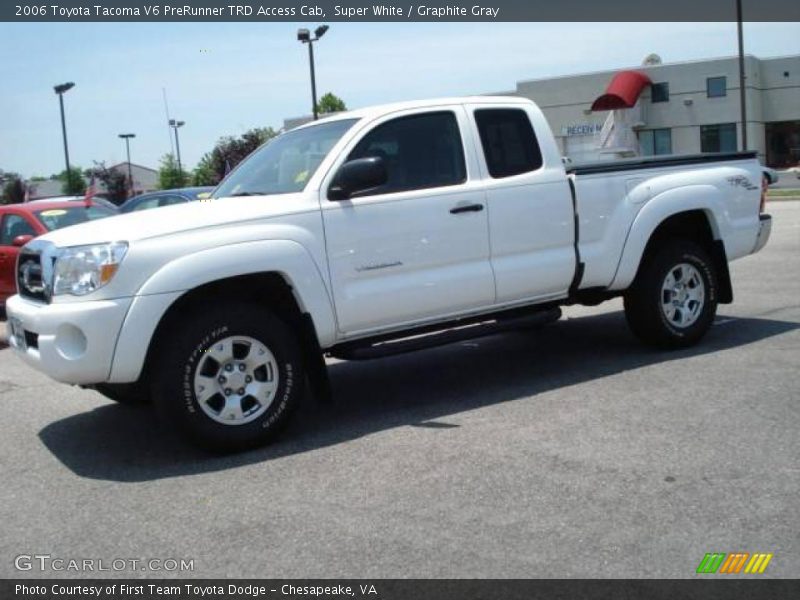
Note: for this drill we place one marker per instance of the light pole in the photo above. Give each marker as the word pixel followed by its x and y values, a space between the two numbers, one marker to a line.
pixel 175 124
pixel 742 93
pixel 304 36
pixel 61 89
pixel 127 137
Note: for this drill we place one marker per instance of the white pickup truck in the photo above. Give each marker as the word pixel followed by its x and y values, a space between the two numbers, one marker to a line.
pixel 354 235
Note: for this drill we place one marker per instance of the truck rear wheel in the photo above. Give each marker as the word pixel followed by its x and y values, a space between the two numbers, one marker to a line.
pixel 673 301
pixel 228 377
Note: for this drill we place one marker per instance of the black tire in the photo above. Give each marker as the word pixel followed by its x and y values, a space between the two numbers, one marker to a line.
pixel 124 393
pixel 643 301
pixel 182 351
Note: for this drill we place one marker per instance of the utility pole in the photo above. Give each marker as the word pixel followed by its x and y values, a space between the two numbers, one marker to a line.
pixel 175 125
pixel 61 89
pixel 304 36
pixel 127 137
pixel 742 92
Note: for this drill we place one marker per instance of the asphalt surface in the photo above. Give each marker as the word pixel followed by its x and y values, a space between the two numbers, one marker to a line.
pixel 569 452
pixel 786 181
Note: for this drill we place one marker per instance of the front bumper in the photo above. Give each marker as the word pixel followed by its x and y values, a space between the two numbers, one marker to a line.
pixel 764 229
pixel 70 342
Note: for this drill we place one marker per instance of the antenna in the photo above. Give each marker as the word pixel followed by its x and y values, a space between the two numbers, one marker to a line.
pixel 169 129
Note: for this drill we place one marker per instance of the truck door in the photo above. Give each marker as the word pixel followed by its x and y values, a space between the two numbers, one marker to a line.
pixel 417 247
pixel 531 217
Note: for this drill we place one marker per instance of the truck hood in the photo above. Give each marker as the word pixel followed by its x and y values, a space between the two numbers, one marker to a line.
pixel 175 219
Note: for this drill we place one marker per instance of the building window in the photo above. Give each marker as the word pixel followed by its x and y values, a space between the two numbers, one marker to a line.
pixel 659 92
pixel 717 87
pixel 718 138
pixel 655 141
pixel 509 143
pixel 783 144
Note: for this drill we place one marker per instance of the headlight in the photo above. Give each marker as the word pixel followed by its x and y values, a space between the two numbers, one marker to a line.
pixel 80 270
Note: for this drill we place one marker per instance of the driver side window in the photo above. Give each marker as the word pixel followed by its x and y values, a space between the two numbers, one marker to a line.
pixel 419 151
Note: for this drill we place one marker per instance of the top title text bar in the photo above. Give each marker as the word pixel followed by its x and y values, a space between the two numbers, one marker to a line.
pixel 398 10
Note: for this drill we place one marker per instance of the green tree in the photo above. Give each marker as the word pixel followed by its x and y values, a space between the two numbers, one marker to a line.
pixel 13 189
pixel 72 182
pixel 115 182
pixel 169 175
pixel 228 152
pixel 204 173
pixel 330 103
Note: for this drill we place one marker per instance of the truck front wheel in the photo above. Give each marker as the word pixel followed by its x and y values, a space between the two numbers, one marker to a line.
pixel 673 301
pixel 228 377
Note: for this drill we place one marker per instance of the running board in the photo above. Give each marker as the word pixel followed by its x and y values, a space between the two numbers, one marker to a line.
pixel 391 347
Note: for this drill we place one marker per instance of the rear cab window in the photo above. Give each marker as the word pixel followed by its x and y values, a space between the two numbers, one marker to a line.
pixel 509 143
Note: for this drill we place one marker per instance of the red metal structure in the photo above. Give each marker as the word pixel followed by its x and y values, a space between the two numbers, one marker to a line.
pixel 623 91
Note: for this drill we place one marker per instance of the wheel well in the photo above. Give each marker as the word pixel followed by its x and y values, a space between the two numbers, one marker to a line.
pixel 691 225
pixel 695 226
pixel 268 289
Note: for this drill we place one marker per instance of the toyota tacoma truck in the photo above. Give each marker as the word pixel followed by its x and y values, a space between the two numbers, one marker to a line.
pixel 372 232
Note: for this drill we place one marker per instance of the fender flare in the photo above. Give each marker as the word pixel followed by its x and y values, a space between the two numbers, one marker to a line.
pixel 287 258
pixel 702 197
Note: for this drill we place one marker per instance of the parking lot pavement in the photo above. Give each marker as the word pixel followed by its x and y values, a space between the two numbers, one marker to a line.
pixel 568 452
pixel 786 180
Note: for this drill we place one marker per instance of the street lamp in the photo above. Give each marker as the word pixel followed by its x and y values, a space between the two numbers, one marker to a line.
pixel 304 36
pixel 61 89
pixel 127 137
pixel 175 124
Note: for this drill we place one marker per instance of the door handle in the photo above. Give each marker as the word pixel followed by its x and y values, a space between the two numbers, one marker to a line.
pixel 462 208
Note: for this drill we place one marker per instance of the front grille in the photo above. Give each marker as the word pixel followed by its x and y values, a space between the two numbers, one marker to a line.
pixel 30 282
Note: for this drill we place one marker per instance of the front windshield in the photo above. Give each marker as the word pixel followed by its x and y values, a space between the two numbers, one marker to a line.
pixel 286 163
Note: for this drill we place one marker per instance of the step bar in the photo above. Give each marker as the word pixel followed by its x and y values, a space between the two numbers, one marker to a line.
pixel 459 332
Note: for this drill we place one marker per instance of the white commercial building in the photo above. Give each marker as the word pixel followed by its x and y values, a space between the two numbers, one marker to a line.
pixel 678 108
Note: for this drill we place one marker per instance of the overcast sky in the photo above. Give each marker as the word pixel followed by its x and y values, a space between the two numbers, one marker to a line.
pixel 224 78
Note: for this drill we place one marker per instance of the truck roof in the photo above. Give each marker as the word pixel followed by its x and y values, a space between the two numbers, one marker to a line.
pixel 384 109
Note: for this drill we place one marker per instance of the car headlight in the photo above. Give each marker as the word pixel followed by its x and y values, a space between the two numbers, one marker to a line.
pixel 79 270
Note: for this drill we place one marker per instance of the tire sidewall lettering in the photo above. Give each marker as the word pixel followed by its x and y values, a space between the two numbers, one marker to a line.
pixel 288 378
pixel 190 364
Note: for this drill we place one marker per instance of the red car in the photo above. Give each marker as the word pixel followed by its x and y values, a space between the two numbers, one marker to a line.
pixel 20 223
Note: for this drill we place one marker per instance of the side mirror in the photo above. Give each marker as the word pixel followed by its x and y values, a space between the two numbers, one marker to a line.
pixel 21 240
pixel 359 175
